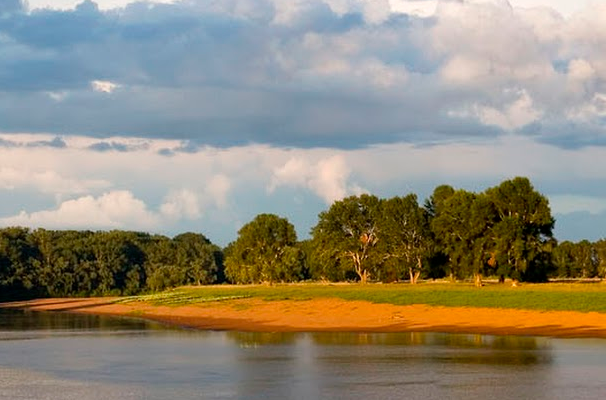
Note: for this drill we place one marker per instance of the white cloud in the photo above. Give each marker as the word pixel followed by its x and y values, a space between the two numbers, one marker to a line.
pixel 104 86
pixel 115 209
pixel 191 204
pixel 327 177
pixel 58 96
pixel 519 113
pixel 580 70
pixel 420 8
pixel 47 181
pixel 567 8
pixel 589 110
pixel 181 203
pixel 217 189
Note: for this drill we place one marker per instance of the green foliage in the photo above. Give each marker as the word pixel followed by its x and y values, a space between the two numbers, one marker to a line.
pixel 405 236
pixel 198 257
pixel 523 230
pixel 83 263
pixel 17 279
pixel 166 276
pixel 346 235
pixel 265 251
pixel 453 224
pixel 578 260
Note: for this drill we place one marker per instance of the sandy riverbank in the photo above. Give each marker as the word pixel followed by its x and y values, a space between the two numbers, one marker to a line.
pixel 338 315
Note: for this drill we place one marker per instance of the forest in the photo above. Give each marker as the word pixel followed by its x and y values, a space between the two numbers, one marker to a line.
pixel 505 232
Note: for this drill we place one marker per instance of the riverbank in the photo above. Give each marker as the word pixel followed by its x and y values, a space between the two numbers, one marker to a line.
pixel 337 315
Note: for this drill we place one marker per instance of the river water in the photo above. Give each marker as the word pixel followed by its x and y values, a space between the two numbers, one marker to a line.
pixel 62 356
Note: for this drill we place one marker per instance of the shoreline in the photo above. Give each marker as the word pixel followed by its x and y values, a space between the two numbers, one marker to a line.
pixel 335 315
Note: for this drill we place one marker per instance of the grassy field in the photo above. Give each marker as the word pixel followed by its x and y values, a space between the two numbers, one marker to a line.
pixel 584 297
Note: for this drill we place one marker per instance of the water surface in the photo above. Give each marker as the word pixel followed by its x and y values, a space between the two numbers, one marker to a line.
pixel 63 356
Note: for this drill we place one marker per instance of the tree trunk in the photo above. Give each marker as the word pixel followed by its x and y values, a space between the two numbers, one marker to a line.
pixel 414 276
pixel 364 277
pixel 478 279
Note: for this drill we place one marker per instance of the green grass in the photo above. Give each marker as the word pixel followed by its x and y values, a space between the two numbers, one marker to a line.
pixel 584 297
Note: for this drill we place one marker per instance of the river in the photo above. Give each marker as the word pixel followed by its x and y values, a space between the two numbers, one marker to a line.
pixel 62 356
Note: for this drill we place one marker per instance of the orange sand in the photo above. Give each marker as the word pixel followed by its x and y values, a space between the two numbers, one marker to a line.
pixel 338 316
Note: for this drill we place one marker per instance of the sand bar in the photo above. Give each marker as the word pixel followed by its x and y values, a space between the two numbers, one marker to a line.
pixel 335 315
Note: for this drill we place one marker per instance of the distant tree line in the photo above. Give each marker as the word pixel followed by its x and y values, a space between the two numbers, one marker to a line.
pixel 503 232
pixel 44 263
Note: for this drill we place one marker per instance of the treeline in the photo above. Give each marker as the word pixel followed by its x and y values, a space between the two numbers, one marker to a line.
pixel 583 260
pixel 44 263
pixel 503 232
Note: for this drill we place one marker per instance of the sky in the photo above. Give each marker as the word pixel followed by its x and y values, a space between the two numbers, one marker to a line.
pixel 197 115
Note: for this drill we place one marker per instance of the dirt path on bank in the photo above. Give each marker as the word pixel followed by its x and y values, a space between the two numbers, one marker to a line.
pixel 336 315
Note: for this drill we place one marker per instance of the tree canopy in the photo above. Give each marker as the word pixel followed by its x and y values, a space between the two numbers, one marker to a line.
pixel 346 236
pixel 266 251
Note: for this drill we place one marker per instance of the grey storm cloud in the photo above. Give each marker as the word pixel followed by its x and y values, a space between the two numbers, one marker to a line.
pixel 245 71
pixel 56 142
pixel 116 146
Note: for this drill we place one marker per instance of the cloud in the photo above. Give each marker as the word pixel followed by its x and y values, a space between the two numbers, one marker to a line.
pixel 181 203
pixel 214 190
pixel 72 4
pixel 10 6
pixel 104 86
pixel 190 204
pixel 327 177
pixel 115 209
pixel 17 141
pixel 218 189
pixel 116 146
pixel 517 114
pixel 311 73
pixel 47 181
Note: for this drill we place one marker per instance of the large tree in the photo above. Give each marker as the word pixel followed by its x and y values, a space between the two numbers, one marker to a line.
pixel 17 277
pixel 463 224
pixel 266 251
pixel 451 225
pixel 406 235
pixel 198 257
pixel 346 236
pixel 523 232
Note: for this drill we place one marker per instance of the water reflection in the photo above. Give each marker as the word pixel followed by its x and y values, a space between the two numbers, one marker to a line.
pixel 125 359
pixel 255 339
pixel 25 320
pixel 455 348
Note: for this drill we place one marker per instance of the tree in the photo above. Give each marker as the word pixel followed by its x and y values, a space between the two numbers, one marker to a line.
pixel 439 265
pixel 265 251
pixel 451 224
pixel 435 204
pixel 17 277
pixel 197 256
pixel 577 260
pixel 406 235
pixel 524 229
pixel 346 235
pixel 481 224
pixel 600 249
